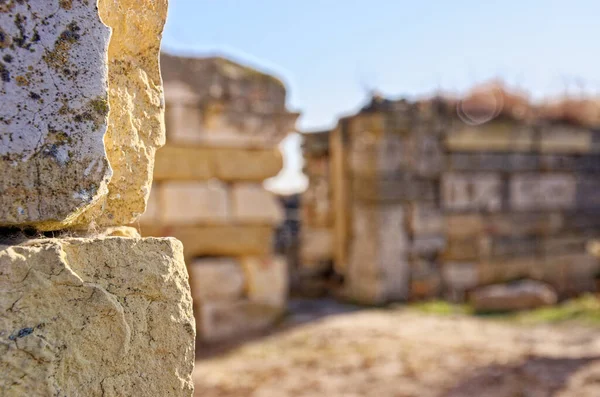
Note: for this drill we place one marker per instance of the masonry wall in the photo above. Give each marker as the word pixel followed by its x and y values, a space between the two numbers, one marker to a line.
pixel 521 201
pixel 426 204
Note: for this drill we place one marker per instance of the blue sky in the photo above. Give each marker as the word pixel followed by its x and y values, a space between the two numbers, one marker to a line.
pixel 332 52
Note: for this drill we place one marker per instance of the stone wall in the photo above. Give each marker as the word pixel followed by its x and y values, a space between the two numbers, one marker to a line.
pixel 88 307
pixel 430 200
pixel 224 122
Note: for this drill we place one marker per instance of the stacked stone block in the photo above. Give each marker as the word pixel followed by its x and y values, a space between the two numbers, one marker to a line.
pixel 88 307
pixel 390 164
pixel 224 122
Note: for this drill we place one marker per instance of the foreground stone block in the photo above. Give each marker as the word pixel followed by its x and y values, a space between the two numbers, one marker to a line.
pixel 55 157
pixel 54 112
pixel 520 295
pixel 136 121
pixel 96 317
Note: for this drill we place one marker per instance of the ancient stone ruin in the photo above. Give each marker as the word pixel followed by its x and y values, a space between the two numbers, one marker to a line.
pixel 87 306
pixel 224 122
pixel 441 196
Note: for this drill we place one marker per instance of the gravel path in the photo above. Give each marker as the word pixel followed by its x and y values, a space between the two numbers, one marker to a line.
pixel 403 353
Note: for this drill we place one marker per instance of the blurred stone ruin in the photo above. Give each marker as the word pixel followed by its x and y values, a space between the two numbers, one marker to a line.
pixel 434 198
pixel 224 123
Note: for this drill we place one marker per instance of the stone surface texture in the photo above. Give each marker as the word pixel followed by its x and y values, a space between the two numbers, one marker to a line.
pixel 110 316
pixel 136 120
pixel 54 113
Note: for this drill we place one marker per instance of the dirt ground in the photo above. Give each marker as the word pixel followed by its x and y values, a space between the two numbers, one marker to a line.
pixel 402 352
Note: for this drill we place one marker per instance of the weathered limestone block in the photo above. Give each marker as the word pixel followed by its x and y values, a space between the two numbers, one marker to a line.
pixel 247 165
pixel 459 226
pixel 222 320
pixel 136 120
pixel 216 82
pixel 371 154
pixel 523 224
pixel 495 136
pixel 393 188
pixel 565 139
pixel 59 140
pixel 522 295
pixel 472 191
pixel 215 279
pixel 218 103
pixel 509 246
pixel 425 219
pixel 96 317
pixel 218 240
pixel 266 280
pixel 462 249
pixel 226 164
pixel 183 163
pixel 186 203
pixel 489 161
pixel 378 270
pixel 54 113
pixel 251 203
pixel 543 191
pixel 228 127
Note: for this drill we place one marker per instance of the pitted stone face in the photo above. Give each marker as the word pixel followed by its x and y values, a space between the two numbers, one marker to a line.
pixel 53 111
pixel 136 122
